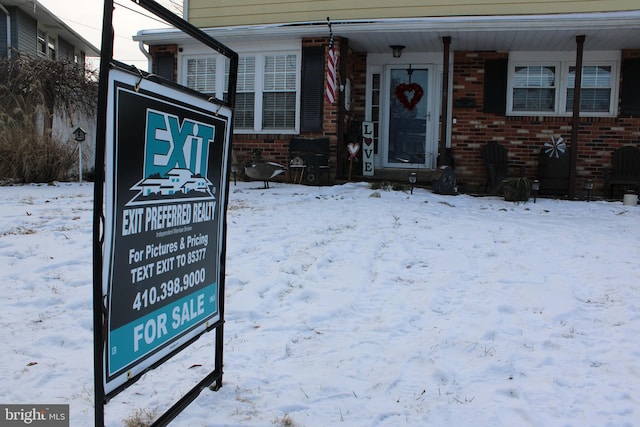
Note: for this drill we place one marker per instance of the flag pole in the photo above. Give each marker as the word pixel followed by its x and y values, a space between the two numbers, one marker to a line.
pixel 332 60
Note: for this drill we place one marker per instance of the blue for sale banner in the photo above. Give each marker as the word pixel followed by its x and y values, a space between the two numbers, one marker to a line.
pixel 166 163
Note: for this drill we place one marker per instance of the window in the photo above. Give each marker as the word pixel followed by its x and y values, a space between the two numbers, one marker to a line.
pixel 46 45
pixel 595 96
pixel 42 43
pixel 51 48
pixel 279 96
pixel 201 75
pixel 244 113
pixel 267 88
pixel 375 109
pixel 534 88
pixel 547 88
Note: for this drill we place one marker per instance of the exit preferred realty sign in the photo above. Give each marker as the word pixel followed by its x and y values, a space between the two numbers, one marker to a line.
pixel 166 157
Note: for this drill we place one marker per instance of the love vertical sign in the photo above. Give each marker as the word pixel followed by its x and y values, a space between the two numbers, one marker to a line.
pixel 367 148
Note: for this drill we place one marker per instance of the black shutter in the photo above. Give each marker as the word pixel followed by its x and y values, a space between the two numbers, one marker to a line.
pixel 165 66
pixel 631 87
pixel 312 89
pixel 495 85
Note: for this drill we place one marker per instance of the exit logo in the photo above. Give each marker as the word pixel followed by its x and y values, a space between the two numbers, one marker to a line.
pixel 170 143
pixel 176 155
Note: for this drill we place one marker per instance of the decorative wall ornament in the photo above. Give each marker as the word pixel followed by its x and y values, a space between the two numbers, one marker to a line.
pixel 367 149
pixel 353 148
pixel 409 94
pixel 555 148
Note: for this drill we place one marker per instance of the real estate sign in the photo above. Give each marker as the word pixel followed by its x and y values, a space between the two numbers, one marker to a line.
pixel 166 157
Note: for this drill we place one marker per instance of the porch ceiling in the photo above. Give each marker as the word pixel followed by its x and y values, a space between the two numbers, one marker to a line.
pixel 603 31
pixel 509 40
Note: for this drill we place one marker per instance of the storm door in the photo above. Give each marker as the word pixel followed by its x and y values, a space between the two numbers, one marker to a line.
pixel 408 124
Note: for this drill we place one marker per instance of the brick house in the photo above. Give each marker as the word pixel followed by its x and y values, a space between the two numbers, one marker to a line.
pixel 461 75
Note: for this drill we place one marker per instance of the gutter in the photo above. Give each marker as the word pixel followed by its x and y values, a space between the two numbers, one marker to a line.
pixel 574 21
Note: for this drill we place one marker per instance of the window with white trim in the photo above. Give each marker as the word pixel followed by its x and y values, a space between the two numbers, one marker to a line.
pixel 201 75
pixel 376 79
pixel 244 113
pixel 46 45
pixel 279 92
pixel 51 48
pixel 534 88
pixel 595 94
pixel 267 88
pixel 546 88
pixel 42 43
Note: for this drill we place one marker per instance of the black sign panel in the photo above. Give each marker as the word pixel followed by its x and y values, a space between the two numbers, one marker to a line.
pixel 166 157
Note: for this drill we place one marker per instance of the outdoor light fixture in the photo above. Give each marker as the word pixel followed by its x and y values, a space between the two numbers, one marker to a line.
pixel 588 186
pixel 413 178
pixel 535 186
pixel 397 50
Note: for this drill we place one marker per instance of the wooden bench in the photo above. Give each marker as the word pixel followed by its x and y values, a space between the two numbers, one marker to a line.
pixel 307 157
pixel 625 169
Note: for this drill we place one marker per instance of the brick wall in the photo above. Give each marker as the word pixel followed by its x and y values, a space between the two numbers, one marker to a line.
pixel 524 136
pixel 275 146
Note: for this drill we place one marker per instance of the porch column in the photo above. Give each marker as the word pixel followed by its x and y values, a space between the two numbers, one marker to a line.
pixel 443 158
pixel 575 125
pixel 341 146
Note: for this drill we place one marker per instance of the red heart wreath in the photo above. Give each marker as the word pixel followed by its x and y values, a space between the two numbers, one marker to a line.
pixel 402 92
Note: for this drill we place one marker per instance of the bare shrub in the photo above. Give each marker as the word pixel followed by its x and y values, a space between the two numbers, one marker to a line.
pixel 31 90
pixel 27 156
pixel 141 418
pixel 38 84
pixel 285 421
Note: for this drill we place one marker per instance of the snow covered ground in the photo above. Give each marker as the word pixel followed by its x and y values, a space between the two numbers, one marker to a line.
pixel 347 309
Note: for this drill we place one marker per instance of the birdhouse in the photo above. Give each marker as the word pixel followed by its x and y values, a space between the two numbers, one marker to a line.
pixel 79 134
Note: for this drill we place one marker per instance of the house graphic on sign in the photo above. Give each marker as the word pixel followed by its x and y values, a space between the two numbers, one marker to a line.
pixel 176 182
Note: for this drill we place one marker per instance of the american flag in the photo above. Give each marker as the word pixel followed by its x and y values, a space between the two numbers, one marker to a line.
pixel 332 59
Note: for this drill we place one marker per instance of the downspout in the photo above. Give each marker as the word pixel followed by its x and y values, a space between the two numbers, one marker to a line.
pixel 147 55
pixel 6 12
pixel 575 125
pixel 443 157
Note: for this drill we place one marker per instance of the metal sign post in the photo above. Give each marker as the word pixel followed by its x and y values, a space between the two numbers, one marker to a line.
pixel 160 197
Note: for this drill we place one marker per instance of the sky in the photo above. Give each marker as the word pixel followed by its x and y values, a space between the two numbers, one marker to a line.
pixel 85 17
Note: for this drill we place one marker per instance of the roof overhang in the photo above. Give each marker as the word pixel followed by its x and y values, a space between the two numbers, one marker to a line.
pixel 50 22
pixel 603 31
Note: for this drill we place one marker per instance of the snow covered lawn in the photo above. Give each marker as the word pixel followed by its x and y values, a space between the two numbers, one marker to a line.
pixel 346 309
